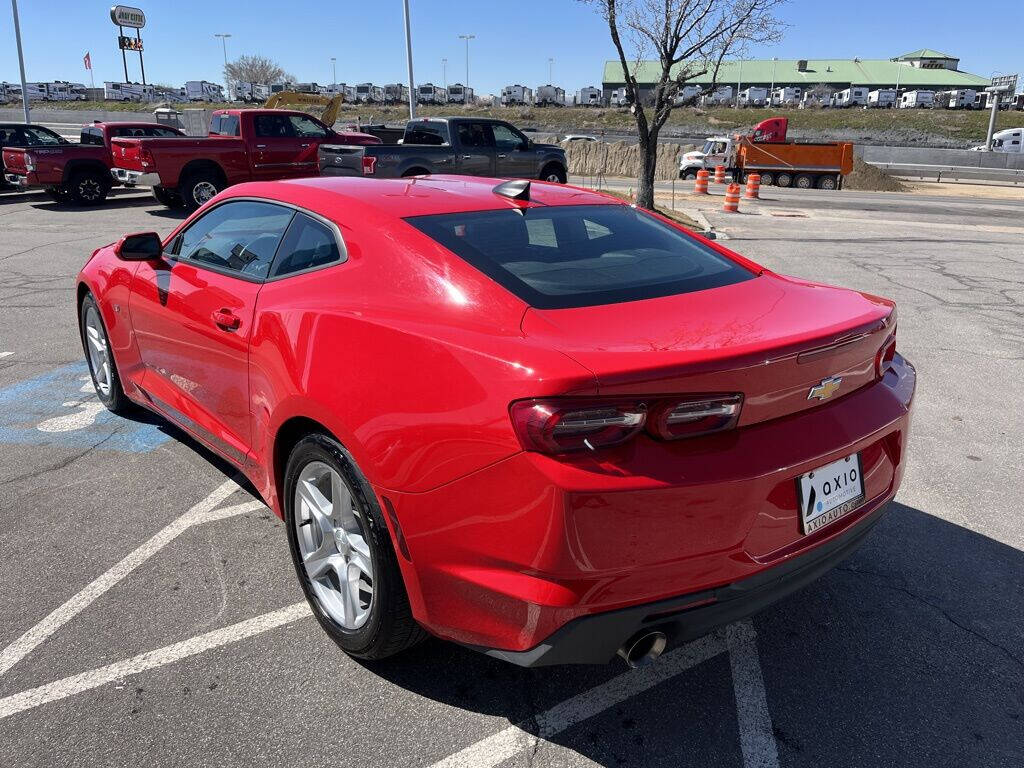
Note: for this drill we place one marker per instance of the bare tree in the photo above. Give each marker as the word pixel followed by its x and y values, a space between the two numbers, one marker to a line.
pixel 687 39
pixel 256 69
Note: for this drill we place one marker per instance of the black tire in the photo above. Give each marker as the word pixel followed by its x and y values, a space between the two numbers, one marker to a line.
pixel 390 627
pixel 57 194
pixel 828 182
pixel 415 172
pixel 689 175
pixel 783 179
pixel 767 179
pixel 167 197
pixel 553 172
pixel 198 187
pixel 89 187
pixel 114 399
pixel 804 181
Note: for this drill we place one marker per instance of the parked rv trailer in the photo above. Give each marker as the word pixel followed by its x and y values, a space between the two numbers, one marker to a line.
pixel 368 93
pixel 428 93
pixel 62 90
pixel 589 97
pixel 203 90
pixel 817 97
pixel 854 96
pixel 171 95
pixel 723 94
pixel 516 95
pixel 549 95
pixel 128 92
pixel 619 98
pixel 785 97
pixel 281 87
pixel 957 98
pixel 754 96
pixel 9 92
pixel 882 97
pixel 460 94
pixel 917 99
pixel 688 94
pixel 396 93
pixel 251 92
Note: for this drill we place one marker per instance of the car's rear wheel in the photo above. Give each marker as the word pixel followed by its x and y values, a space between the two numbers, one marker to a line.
pixel 89 187
pixel 688 175
pixel 167 197
pixel 828 182
pixel 783 179
pixel 767 179
pixel 199 188
pixel 554 173
pixel 99 357
pixel 342 552
pixel 804 181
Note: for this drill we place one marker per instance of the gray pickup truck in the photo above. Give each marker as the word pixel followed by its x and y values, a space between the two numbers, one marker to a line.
pixel 461 145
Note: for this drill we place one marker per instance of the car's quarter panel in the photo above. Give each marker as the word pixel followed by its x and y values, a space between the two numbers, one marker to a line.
pixel 197 372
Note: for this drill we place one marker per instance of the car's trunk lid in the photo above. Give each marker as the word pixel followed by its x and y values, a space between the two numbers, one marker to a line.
pixel 770 338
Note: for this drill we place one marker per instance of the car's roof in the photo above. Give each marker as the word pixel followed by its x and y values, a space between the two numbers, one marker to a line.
pixel 416 196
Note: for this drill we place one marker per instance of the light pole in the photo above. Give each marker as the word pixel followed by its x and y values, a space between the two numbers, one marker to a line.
pixel 444 73
pixel 551 67
pixel 771 91
pixel 739 81
pixel 21 61
pixel 467 38
pixel 224 44
pixel 334 74
pixel 408 58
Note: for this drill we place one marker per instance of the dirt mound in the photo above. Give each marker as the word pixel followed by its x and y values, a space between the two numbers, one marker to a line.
pixel 869 178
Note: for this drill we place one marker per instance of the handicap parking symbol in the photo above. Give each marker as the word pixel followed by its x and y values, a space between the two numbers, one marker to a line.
pixel 61 407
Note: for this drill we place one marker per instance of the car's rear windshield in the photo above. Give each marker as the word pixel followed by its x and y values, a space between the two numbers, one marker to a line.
pixel 556 257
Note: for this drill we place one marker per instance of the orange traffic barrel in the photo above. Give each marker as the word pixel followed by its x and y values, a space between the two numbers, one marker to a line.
pixel 732 199
pixel 753 186
pixel 700 186
pixel 719 174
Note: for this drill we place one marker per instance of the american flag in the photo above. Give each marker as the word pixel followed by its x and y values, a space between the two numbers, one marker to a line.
pixel 88 60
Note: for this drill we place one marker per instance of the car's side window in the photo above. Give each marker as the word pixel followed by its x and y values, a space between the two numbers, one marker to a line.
pixel 273 126
pixel 236 237
pixel 474 135
pixel 308 244
pixel 306 128
pixel 505 137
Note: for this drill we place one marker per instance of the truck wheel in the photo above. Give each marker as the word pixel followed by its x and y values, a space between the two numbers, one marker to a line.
pixel 804 181
pixel 89 187
pixel 554 173
pixel 689 175
pixel 767 179
pixel 783 180
pixel 415 172
pixel 828 182
pixel 167 197
pixel 199 188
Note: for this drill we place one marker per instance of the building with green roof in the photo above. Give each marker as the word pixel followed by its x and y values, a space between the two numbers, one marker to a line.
pixel 924 69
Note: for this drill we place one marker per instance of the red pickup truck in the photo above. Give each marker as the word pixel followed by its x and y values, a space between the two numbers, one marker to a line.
pixel 77 172
pixel 243 145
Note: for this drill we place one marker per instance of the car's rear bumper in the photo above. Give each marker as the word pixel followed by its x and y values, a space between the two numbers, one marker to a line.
pixel 134 178
pixel 17 180
pixel 516 554
pixel 595 639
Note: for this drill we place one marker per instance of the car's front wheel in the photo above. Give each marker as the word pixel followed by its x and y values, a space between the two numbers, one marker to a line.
pixel 554 173
pixel 342 552
pixel 98 355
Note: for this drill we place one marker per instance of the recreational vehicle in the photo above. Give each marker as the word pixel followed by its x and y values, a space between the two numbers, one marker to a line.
pixel 516 95
pixel 917 99
pixel 203 90
pixel 882 97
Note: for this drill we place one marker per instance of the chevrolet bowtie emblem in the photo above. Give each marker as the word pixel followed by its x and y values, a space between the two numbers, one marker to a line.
pixel 825 389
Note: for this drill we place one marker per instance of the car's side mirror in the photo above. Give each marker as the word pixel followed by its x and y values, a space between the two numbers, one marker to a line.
pixel 140 246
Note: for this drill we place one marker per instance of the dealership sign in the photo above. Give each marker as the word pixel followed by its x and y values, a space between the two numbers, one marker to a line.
pixel 126 16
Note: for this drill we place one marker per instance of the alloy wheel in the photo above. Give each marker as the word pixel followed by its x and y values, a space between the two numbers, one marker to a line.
pixel 99 350
pixel 203 192
pixel 333 545
pixel 89 189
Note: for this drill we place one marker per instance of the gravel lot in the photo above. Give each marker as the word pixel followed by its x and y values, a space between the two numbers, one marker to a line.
pixel 150 616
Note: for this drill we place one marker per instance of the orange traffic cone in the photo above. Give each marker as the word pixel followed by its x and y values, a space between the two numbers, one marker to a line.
pixel 753 186
pixel 732 199
pixel 700 186
pixel 719 174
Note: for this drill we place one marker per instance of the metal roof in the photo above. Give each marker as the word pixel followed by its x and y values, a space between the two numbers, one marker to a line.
pixel 870 72
pixel 927 53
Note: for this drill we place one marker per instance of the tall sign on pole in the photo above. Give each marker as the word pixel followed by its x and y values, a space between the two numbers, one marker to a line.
pixel 999 86
pixel 408 59
pixel 133 18
pixel 21 60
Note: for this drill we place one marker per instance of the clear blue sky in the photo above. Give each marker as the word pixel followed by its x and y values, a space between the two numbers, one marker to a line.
pixel 513 40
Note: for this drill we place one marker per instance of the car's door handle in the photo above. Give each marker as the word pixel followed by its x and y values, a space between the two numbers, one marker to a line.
pixel 261 146
pixel 467 157
pixel 305 145
pixel 502 157
pixel 226 320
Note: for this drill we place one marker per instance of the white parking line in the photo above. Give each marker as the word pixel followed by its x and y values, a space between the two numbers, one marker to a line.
pixel 5 354
pixel 69 686
pixel 757 740
pixel 202 512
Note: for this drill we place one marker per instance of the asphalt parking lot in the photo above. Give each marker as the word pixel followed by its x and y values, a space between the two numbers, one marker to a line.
pixel 150 614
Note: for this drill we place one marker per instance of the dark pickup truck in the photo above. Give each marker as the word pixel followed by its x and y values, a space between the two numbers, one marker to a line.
pixel 69 171
pixel 461 145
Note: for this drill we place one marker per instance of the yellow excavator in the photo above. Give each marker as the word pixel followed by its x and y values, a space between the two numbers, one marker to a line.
pixel 294 99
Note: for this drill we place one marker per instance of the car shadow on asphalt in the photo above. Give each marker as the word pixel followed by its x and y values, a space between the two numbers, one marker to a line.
pixel 910 653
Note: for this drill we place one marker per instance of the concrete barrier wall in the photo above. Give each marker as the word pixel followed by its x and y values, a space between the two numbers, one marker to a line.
pixel 594 158
pixel 72 116
pixel 949 157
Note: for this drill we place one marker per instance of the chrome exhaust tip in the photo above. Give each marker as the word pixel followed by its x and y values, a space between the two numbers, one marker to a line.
pixel 643 649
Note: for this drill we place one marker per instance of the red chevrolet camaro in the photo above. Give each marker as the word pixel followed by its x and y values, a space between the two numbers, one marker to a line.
pixel 523 417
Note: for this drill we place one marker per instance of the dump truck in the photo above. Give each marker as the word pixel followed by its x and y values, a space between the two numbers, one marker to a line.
pixel 767 152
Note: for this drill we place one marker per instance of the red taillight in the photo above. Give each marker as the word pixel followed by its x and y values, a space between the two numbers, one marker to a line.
pixel 560 425
pixel 369 165
pixel 564 424
pixel 147 158
pixel 696 416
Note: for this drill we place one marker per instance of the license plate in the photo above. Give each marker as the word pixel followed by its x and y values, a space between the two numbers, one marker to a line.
pixel 828 493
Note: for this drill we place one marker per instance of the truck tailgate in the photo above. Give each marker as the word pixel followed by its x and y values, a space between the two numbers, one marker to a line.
pixel 342 160
pixel 127 153
pixel 14 160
